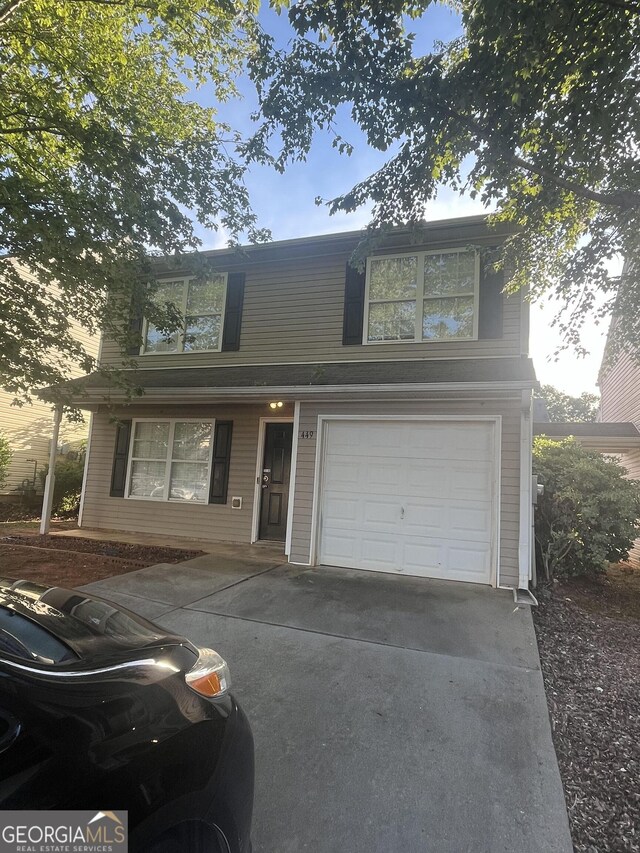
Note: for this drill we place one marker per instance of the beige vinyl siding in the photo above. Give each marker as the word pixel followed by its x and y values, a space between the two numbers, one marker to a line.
pixel 620 401
pixel 173 518
pixel 620 391
pixel 510 471
pixel 293 312
pixel 631 462
pixel 28 427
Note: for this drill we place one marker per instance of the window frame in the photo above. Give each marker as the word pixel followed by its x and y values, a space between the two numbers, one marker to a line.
pixel 182 333
pixel 165 498
pixel 420 297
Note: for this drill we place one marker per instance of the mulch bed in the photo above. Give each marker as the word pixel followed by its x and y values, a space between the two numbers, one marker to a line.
pixel 149 554
pixel 74 561
pixel 590 654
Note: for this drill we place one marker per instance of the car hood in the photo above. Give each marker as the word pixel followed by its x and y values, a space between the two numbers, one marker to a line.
pixel 92 627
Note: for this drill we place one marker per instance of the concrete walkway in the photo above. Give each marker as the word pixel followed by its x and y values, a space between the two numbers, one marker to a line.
pixel 390 714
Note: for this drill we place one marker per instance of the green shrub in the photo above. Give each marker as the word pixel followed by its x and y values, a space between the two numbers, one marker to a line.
pixel 588 515
pixel 5 458
pixel 68 485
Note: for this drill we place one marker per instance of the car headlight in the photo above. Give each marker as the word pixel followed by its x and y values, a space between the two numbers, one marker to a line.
pixel 210 675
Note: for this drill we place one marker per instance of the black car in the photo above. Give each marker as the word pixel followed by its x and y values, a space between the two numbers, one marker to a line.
pixel 101 709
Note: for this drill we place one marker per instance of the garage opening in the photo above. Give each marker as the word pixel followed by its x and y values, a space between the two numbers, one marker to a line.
pixel 414 497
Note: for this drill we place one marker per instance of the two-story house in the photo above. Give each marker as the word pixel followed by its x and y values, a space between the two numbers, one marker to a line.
pixel 376 419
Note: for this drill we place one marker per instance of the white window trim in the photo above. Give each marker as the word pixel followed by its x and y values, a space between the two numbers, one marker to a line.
pixel 168 459
pixel 420 298
pixel 183 308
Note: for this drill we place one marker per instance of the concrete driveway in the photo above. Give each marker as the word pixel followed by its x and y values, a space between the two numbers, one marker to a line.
pixel 390 714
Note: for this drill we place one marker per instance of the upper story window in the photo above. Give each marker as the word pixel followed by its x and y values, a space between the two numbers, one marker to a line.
pixel 201 304
pixel 422 296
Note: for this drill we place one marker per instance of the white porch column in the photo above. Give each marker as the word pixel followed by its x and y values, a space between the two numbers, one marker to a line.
pixel 47 500
pixel 86 469
pixel 526 441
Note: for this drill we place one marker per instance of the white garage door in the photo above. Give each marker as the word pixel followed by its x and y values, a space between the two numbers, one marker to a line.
pixel 415 497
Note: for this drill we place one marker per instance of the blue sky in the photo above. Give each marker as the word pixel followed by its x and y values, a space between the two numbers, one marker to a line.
pixel 286 203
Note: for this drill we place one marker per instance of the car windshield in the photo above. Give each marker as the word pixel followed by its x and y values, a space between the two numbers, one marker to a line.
pixel 108 621
pixel 111 622
pixel 22 638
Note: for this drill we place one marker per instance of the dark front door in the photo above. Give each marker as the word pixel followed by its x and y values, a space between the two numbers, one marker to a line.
pixel 276 468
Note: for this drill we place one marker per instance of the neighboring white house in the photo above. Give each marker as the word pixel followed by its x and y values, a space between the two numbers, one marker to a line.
pixel 620 401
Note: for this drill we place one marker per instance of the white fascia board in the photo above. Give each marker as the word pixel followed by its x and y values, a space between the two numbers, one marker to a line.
pixel 604 445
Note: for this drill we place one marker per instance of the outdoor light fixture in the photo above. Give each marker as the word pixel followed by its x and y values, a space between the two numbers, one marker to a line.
pixel 277 405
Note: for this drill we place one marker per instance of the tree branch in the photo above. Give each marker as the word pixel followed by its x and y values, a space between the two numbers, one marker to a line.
pixel 9 8
pixel 625 199
pixel 32 129
pixel 146 6
pixel 620 198
pixel 634 8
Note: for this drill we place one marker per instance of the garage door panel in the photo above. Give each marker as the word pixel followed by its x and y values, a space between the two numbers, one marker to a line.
pixel 451 442
pixel 421 553
pixel 428 480
pixel 343 473
pixel 423 517
pixel 383 477
pixel 469 522
pixel 340 547
pixel 409 497
pixel 469 484
pixel 379 552
pixel 380 513
pixel 341 509
pixel 462 437
pixel 360 512
pixel 472 560
pixel 439 556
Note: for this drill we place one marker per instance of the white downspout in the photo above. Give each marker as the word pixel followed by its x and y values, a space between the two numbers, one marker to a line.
pixel 526 440
pixel 47 500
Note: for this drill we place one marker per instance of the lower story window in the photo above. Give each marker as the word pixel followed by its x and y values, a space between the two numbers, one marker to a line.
pixel 170 460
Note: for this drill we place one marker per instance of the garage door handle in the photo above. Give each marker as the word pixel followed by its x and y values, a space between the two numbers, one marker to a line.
pixel 401 512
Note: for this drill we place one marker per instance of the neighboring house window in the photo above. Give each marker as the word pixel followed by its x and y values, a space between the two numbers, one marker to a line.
pixel 423 296
pixel 170 460
pixel 201 304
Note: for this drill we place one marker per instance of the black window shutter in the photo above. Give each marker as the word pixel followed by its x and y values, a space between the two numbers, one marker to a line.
pixel 353 307
pixel 120 457
pixel 220 462
pixel 491 303
pixel 233 312
pixel 135 329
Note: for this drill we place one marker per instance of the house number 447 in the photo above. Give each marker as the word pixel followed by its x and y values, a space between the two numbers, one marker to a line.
pixel 307 433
